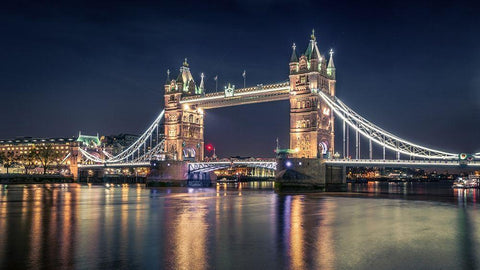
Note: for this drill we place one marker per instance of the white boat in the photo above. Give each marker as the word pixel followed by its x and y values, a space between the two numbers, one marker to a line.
pixel 472 181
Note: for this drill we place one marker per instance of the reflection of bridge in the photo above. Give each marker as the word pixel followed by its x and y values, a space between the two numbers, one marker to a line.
pixel 313 105
pixel 217 165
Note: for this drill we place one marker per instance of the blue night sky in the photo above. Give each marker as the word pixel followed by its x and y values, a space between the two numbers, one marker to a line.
pixel 411 67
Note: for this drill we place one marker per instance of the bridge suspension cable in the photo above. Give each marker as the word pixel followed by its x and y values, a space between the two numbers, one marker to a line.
pixel 379 135
pixel 138 150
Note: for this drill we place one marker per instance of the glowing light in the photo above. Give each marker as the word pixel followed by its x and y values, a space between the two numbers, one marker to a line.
pixel 326 111
pixel 200 110
pixel 288 164
pixel 209 147
pixel 186 107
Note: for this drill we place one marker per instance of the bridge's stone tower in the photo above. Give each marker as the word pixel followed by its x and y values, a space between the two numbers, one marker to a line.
pixel 183 123
pixel 311 120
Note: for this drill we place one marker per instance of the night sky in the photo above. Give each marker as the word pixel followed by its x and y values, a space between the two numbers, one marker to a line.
pixel 412 68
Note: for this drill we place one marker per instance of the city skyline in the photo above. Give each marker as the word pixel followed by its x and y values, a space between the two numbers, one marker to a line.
pixel 398 67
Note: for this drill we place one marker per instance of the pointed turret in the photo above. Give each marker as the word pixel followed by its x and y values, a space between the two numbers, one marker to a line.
pixel 314 53
pixel 180 83
pixel 201 88
pixel 311 45
pixel 179 77
pixel 294 58
pixel 168 77
pixel 191 87
pixel 331 65
pixel 315 58
pixel 185 78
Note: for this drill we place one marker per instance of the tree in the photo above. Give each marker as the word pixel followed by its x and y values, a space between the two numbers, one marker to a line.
pixel 46 155
pixel 8 159
pixel 2 157
pixel 28 160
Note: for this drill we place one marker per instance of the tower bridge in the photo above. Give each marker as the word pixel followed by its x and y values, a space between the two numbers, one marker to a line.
pixel 177 134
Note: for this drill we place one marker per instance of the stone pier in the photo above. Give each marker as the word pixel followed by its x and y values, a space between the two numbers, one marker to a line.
pixel 168 173
pixel 305 174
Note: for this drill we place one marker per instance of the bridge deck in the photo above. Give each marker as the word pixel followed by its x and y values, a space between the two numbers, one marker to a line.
pixel 243 96
pixel 271 164
pixel 403 163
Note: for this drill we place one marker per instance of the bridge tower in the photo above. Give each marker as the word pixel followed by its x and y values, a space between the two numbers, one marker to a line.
pixel 183 124
pixel 311 120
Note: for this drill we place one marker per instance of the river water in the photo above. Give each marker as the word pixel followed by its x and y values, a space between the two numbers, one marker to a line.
pixel 246 226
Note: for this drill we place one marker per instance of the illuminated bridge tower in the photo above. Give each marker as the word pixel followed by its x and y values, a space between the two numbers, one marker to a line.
pixel 311 120
pixel 183 124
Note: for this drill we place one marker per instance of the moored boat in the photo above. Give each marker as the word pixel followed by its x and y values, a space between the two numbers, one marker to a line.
pixel 472 181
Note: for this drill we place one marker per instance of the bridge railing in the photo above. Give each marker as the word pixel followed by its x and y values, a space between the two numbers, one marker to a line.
pixel 380 162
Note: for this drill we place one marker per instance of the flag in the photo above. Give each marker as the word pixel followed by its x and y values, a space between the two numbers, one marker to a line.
pixel 215 78
pixel 244 74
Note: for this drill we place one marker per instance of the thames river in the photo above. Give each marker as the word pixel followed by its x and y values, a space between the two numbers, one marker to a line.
pixel 246 226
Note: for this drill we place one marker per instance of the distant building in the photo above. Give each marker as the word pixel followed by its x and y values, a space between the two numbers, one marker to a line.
pixel 63 146
pixel 88 140
pixel 23 145
pixel 117 143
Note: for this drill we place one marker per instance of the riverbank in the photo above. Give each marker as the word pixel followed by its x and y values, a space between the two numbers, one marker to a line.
pixel 34 179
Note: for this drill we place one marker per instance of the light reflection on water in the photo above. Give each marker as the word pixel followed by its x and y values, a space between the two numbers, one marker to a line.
pixel 239 226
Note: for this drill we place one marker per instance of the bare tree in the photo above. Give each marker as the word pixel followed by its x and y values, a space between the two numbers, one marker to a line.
pixel 28 160
pixel 46 155
pixel 8 159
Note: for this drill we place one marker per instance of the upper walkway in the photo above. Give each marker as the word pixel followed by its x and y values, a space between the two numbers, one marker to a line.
pixel 249 95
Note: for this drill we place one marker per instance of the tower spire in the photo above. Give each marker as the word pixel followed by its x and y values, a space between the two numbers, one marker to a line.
pixel 311 46
pixel 331 65
pixel 168 76
pixel 294 57
pixel 202 84
pixel 330 62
